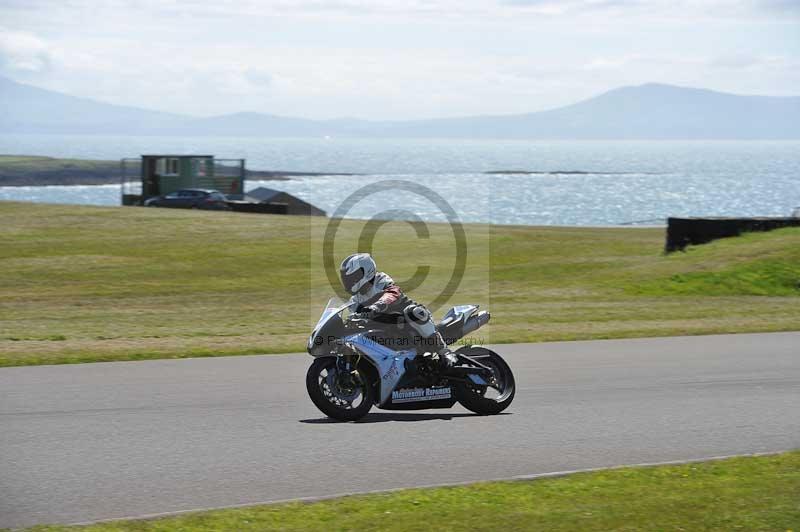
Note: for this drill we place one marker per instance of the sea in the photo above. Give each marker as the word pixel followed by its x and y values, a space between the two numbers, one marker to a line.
pixel 567 183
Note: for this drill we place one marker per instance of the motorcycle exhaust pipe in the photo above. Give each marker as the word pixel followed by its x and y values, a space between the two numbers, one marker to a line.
pixel 475 322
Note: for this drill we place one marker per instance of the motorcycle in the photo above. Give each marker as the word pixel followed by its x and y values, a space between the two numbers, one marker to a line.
pixel 360 363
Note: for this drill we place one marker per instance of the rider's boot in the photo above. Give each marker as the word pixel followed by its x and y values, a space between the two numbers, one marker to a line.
pixel 446 358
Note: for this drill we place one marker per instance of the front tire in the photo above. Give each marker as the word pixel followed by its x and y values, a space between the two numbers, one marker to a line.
pixel 487 400
pixel 335 395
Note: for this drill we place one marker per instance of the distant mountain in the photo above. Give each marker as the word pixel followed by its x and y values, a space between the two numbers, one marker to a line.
pixel 28 109
pixel 650 111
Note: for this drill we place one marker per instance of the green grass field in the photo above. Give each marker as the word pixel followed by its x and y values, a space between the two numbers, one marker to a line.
pixel 90 283
pixel 753 493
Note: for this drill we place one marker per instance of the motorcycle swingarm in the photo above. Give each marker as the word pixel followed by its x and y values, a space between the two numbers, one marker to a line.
pixel 481 369
pixel 462 373
pixel 473 358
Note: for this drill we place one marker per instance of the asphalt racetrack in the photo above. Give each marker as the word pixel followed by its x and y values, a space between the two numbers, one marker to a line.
pixel 97 441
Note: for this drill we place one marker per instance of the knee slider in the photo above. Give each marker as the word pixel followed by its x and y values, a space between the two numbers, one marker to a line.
pixel 420 318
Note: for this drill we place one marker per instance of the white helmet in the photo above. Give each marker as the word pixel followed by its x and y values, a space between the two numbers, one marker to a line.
pixel 357 271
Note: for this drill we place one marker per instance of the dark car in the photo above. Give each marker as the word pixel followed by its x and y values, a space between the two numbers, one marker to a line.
pixel 191 198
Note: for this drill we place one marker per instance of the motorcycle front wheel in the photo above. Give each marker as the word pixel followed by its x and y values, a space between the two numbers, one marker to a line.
pixel 344 396
pixel 495 397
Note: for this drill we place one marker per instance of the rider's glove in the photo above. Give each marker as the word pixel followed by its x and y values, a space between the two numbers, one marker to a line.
pixel 376 309
pixel 371 311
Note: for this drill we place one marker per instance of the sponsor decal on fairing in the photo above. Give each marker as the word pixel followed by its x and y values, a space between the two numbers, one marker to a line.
pixel 410 395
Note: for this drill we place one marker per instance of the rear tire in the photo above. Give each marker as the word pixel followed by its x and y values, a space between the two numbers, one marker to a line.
pixel 328 399
pixel 473 397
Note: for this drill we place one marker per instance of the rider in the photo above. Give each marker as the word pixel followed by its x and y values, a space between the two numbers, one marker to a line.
pixel 380 299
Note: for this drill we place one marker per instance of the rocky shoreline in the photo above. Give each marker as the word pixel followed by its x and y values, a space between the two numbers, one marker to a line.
pixel 30 170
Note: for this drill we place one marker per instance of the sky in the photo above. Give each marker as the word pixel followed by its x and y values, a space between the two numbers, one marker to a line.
pixel 393 59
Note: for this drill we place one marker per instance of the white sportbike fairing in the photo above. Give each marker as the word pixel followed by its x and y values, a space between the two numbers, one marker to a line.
pixel 360 364
pixel 391 364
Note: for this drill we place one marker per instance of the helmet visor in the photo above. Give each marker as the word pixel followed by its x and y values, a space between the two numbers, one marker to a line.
pixel 349 280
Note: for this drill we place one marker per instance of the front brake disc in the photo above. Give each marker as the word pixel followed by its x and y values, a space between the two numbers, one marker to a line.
pixel 338 391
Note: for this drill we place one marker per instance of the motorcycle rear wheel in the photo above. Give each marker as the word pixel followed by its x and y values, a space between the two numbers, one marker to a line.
pixel 474 397
pixel 332 396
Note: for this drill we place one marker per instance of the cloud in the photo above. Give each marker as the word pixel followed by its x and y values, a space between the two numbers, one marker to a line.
pixel 571 6
pixel 780 6
pixel 239 80
pixel 754 63
pixel 735 61
pixel 258 77
pixel 738 61
pixel 661 10
pixel 418 11
pixel 389 58
pixel 24 52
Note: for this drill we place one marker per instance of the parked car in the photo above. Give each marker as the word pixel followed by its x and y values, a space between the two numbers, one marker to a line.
pixel 191 198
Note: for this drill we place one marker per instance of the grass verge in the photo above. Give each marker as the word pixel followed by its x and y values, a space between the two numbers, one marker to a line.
pixel 748 493
pixel 80 284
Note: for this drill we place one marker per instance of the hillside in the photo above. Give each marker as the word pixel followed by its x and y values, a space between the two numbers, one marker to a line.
pixel 650 111
pixel 99 283
pixel 29 109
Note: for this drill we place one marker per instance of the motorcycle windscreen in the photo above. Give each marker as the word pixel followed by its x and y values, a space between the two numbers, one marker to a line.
pixel 332 308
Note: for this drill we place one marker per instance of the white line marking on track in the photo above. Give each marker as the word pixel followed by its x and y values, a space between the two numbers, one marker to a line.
pixel 518 478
